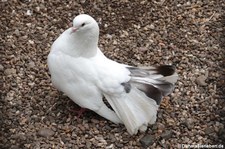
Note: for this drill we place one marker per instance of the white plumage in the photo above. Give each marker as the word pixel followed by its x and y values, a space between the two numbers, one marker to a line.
pixel 80 70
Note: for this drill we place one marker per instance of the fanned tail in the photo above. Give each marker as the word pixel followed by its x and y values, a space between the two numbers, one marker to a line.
pixel 139 104
pixel 135 109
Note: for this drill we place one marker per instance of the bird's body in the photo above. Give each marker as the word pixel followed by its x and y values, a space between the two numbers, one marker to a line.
pixel 83 73
pixel 84 79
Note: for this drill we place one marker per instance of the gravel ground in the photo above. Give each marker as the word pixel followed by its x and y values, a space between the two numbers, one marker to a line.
pixel 188 34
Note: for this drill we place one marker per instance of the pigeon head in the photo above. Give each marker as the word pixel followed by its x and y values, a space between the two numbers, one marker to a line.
pixel 83 36
pixel 85 25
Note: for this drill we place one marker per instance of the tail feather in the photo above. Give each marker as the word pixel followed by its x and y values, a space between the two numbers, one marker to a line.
pixel 143 93
pixel 155 82
pixel 163 72
pixel 172 79
pixel 135 109
pixel 163 86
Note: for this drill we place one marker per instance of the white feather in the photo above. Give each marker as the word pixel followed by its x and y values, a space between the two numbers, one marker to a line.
pixel 135 109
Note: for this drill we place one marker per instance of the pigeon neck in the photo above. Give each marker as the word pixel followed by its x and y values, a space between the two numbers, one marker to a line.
pixel 85 46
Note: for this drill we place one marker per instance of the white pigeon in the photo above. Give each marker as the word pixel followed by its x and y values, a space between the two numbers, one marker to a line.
pixel 80 70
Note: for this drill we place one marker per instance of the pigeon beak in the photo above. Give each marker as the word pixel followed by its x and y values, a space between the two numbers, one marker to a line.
pixel 73 29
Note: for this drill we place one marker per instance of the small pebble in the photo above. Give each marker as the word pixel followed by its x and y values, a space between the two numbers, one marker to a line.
pixel 167 134
pixel 10 71
pixel 189 123
pixel 201 80
pixel 45 132
pixel 209 130
pixel 147 140
pixel 1 67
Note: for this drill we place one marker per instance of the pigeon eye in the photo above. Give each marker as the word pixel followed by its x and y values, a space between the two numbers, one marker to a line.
pixel 82 24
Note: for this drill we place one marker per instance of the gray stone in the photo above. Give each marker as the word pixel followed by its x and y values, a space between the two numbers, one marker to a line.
pixel 188 123
pixel 201 80
pixel 10 71
pixel 167 134
pixel 1 67
pixel 45 132
pixel 147 140
pixel 209 130
pixel 31 64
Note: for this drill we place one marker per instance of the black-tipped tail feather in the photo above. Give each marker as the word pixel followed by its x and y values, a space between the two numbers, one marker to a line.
pixel 155 82
pixel 164 70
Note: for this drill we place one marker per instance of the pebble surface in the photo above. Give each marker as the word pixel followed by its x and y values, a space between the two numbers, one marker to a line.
pixel 187 34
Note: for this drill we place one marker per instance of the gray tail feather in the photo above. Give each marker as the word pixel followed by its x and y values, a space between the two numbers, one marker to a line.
pixel 155 82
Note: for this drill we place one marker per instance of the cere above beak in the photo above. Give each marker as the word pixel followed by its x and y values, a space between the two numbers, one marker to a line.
pixel 73 29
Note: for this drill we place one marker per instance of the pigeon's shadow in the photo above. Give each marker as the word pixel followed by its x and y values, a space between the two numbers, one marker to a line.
pixel 67 109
